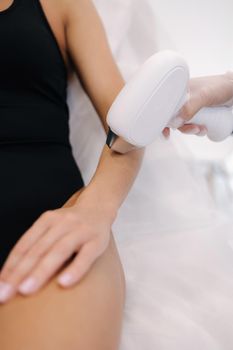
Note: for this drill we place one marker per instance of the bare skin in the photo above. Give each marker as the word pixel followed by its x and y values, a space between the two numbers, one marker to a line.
pixel 88 315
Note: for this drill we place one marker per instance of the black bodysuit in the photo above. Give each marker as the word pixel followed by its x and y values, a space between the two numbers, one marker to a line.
pixel 37 168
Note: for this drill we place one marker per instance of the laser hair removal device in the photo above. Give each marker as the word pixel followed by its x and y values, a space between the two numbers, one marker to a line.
pixel 152 98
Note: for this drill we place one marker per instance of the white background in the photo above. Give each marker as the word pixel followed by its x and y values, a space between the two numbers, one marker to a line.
pixel 202 31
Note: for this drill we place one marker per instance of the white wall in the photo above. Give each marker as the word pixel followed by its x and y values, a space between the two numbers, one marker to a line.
pixel 202 30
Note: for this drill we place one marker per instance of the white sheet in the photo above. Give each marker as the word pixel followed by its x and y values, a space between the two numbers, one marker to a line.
pixel 176 248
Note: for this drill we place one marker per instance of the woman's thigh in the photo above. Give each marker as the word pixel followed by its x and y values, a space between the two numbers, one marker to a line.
pixel 87 316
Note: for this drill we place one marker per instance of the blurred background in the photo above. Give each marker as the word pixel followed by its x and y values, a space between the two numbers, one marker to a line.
pixel 202 31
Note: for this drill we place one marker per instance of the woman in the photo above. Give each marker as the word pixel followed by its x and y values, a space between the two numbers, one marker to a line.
pixel 47 214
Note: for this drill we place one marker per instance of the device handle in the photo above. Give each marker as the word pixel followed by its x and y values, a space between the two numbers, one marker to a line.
pixel 218 121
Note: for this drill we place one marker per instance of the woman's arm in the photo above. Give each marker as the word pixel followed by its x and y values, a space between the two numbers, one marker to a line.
pixel 90 52
pixel 84 227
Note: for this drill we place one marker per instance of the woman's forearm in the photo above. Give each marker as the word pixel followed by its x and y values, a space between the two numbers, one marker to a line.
pixel 114 177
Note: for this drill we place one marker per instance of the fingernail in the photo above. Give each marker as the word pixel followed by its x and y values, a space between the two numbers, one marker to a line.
pixel 5 291
pixel 28 286
pixel 65 279
pixel 176 123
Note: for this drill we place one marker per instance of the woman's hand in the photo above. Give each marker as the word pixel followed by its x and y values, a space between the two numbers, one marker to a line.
pixel 82 228
pixel 204 92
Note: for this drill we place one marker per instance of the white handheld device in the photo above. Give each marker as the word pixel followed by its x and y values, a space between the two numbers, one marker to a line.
pixel 150 100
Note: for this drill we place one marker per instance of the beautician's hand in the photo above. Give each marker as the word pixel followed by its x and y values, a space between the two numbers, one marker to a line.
pixel 206 92
pixel 52 239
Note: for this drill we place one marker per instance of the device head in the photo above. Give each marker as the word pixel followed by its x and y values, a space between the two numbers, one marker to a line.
pixel 148 101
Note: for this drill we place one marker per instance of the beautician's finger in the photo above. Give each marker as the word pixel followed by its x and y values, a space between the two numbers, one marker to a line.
pixel 203 131
pixel 192 106
pixel 28 239
pixel 81 264
pixel 50 263
pixel 166 133
pixel 190 129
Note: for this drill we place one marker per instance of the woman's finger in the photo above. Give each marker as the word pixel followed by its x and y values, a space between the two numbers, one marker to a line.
pixel 34 255
pixel 50 263
pixel 29 238
pixel 80 265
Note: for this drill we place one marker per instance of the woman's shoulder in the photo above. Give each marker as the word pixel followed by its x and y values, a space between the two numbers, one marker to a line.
pixel 61 10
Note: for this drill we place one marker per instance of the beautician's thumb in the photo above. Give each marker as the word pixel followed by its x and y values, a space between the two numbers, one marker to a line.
pixel 191 107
